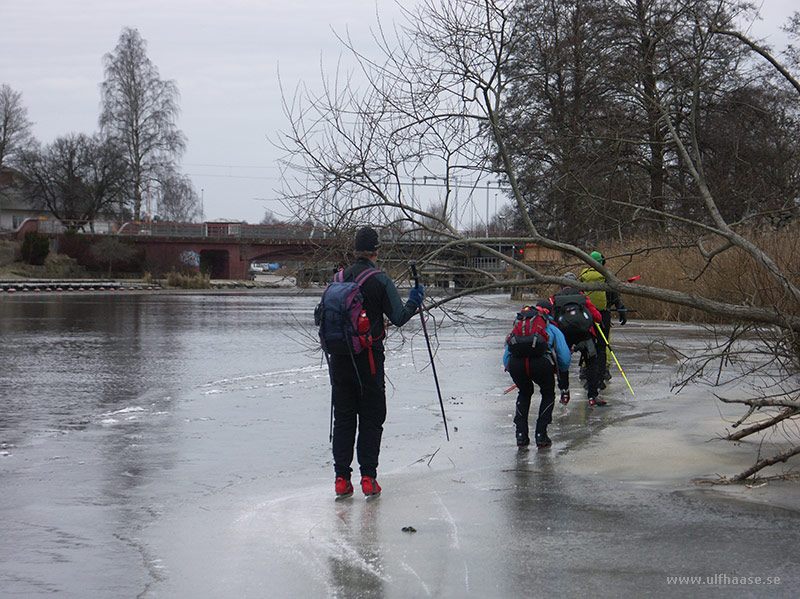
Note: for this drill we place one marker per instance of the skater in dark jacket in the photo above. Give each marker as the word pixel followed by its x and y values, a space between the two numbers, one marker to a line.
pixel 579 338
pixel 604 301
pixel 358 389
pixel 539 370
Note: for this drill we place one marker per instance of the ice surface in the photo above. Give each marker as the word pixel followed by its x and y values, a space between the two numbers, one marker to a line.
pixel 179 448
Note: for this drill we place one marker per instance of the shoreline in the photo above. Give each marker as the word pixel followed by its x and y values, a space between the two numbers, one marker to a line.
pixel 75 284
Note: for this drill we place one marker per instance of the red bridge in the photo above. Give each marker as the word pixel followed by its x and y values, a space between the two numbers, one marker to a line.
pixel 225 250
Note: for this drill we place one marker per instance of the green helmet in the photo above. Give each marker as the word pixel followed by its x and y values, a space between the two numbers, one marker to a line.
pixel 595 255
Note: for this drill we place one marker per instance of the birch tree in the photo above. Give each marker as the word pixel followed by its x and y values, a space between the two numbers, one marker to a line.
pixel 15 128
pixel 177 200
pixel 139 112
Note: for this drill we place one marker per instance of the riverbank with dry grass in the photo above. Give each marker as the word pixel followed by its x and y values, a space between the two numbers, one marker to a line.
pixel 681 265
pixel 671 263
pixel 60 272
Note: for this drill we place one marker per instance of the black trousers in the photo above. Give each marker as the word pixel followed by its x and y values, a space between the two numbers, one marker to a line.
pixel 539 371
pixel 359 404
pixel 591 355
pixel 602 346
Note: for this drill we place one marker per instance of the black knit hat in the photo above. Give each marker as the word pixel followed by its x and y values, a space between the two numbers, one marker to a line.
pixel 545 305
pixel 367 240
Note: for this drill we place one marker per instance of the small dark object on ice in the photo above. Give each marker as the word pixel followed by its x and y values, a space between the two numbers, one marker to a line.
pixel 409 529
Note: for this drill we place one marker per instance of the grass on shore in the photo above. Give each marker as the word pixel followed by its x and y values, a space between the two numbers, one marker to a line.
pixel 197 280
pixel 731 276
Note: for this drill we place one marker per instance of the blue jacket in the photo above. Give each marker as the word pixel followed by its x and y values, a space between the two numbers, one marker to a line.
pixel 558 346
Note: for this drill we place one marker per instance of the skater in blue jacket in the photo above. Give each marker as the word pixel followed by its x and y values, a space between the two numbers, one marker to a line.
pixel 535 351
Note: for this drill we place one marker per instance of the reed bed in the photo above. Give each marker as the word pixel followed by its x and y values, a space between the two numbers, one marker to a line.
pixel 199 280
pixel 731 276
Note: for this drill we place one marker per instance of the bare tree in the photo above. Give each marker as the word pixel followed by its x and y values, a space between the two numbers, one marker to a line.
pixel 110 250
pixel 583 116
pixel 178 200
pixel 15 128
pixel 270 218
pixel 76 178
pixel 139 112
pixel 432 100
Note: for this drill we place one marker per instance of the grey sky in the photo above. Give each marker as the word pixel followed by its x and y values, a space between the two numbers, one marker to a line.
pixel 225 58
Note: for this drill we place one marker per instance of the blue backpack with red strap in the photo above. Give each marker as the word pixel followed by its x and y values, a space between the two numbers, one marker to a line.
pixel 344 328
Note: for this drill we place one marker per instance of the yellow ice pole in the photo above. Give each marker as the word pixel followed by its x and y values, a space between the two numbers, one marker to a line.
pixel 599 328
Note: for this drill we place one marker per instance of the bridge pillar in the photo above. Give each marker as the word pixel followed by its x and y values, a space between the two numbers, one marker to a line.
pixel 221 260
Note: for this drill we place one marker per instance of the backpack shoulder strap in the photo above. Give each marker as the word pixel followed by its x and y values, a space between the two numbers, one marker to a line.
pixel 365 274
pixel 542 323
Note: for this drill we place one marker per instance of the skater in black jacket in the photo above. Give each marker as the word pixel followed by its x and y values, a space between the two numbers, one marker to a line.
pixel 358 390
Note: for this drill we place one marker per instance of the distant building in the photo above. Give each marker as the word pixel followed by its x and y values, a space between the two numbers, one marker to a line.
pixel 15 204
pixel 533 253
pixel 223 228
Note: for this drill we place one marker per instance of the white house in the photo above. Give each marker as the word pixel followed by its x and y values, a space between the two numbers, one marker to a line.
pixel 15 206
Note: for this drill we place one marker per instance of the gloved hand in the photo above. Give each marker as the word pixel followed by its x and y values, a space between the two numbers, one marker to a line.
pixel 623 316
pixel 417 294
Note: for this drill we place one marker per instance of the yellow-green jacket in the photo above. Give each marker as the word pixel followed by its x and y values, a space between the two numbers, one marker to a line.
pixel 590 275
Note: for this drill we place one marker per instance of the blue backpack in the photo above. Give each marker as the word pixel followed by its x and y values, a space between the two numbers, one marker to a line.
pixel 344 328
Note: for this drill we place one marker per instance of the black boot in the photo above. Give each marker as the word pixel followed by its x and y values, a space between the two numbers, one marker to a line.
pixel 542 440
pixel 595 400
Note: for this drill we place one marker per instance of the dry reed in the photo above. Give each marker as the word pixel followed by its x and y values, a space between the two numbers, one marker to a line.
pixel 732 276
pixel 199 280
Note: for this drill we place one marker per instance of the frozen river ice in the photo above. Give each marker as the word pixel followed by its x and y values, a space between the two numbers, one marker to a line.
pixel 176 445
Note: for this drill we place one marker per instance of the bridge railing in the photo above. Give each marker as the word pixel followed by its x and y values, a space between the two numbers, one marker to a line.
pixel 212 230
pixel 232 230
pixel 208 230
pixel 98 227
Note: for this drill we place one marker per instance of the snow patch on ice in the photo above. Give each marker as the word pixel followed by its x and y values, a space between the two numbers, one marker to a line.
pixel 127 414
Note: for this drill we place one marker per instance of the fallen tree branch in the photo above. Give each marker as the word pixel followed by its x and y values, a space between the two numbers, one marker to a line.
pixel 761 464
pixel 760 426
pixel 764 403
pixel 763 52
pixel 743 418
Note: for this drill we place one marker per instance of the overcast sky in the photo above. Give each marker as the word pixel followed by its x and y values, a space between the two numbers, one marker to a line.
pixel 225 58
